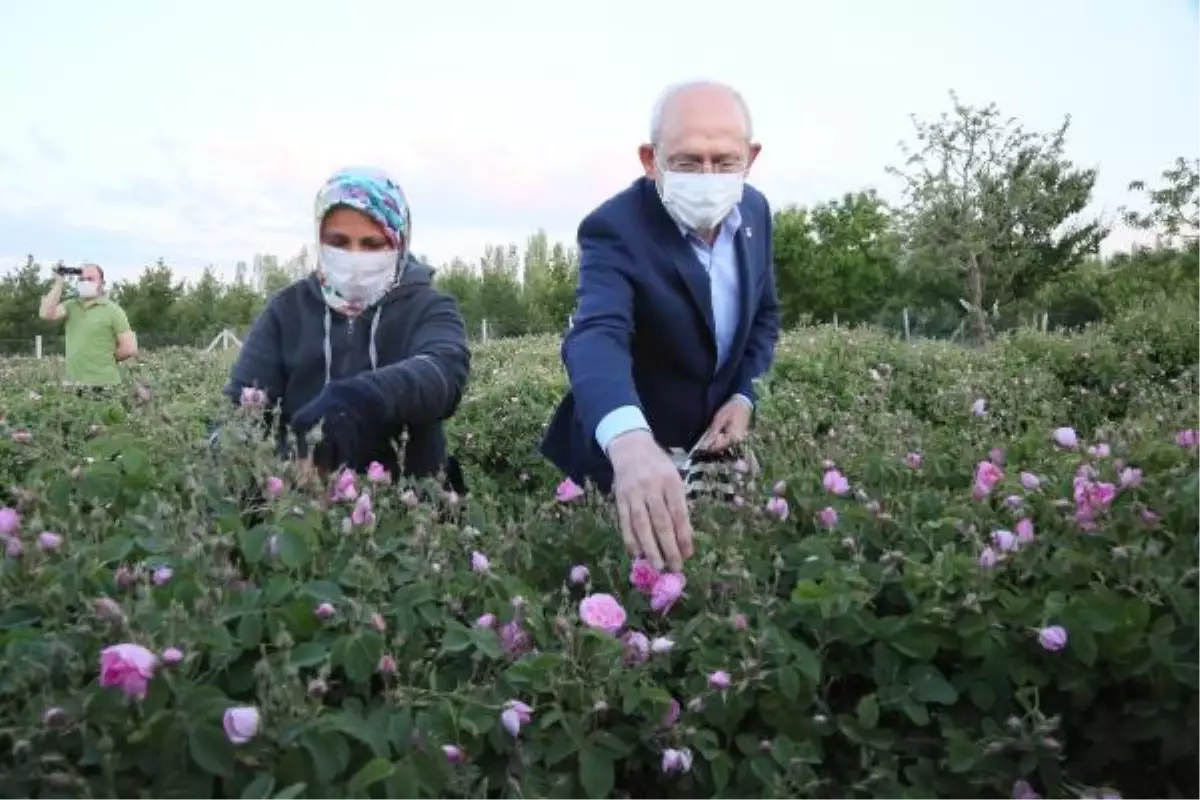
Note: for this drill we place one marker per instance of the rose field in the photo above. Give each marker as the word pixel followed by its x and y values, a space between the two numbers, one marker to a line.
pixel 958 573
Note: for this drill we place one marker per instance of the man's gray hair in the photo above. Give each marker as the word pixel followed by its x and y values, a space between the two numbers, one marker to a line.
pixel 673 91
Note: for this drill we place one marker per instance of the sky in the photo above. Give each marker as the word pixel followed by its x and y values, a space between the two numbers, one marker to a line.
pixel 200 132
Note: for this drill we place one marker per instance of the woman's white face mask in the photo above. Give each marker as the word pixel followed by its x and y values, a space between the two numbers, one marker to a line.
pixel 359 277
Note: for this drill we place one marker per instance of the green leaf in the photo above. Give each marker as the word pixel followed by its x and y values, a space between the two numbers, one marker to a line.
pixel 308 654
pixel 719 767
pixel 292 792
pixel 358 654
pixel 789 683
pixel 915 711
pixel 403 784
pixel 596 773
pixel 249 631
pixel 456 638
pixel 253 543
pixel 930 686
pixel 374 771
pixel 211 751
pixel 259 788
pixel 330 753
pixel 868 711
pixel 294 551
pixel 115 549
pixel 807 661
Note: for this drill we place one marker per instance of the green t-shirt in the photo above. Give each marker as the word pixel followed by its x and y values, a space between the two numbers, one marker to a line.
pixel 92 330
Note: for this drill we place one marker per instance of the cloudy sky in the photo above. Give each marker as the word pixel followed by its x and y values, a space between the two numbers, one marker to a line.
pixel 198 132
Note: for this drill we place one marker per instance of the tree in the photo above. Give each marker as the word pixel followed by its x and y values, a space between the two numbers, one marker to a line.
pixel 1174 207
pixel 990 209
pixel 836 260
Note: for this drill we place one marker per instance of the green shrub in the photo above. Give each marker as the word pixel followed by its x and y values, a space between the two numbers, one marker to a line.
pixel 878 643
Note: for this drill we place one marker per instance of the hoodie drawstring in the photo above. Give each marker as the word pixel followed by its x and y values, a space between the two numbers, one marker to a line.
pixel 371 350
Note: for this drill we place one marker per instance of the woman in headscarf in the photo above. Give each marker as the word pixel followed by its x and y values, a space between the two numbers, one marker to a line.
pixel 365 345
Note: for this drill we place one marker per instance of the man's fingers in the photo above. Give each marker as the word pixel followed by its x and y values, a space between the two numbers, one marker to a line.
pixel 624 517
pixel 664 531
pixel 644 531
pixel 677 508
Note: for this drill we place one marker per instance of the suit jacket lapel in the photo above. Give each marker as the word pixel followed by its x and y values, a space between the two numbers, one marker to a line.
pixel 683 257
pixel 743 247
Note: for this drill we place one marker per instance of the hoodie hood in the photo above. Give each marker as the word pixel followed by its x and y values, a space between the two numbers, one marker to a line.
pixel 414 277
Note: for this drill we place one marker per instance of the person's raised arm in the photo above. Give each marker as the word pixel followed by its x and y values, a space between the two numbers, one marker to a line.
pixel 596 350
pixel 427 386
pixel 259 365
pixel 51 307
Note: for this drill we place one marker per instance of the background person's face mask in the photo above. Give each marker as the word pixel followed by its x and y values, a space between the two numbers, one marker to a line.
pixel 359 277
pixel 88 290
pixel 700 200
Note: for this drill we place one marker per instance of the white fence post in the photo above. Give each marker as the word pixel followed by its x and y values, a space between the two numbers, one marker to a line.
pixel 37 347
pixel 483 331
pixel 907 332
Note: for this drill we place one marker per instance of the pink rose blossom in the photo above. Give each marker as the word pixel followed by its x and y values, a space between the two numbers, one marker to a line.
pixel 979 407
pixel 241 724
pixel 1100 450
pixel 274 486
pixel 739 622
pixel 1187 438
pixel 996 456
pixel 672 715
pixel 643 575
pixel 676 762
pixel 13 548
pixel 828 516
pixel 363 514
pixel 637 647
pixel 1005 541
pixel 48 540
pixel 1053 638
pixel 667 589
pixel 661 644
pixel 107 608
pixel 514 715
pixel 602 612
pixel 1024 530
pixel 162 576
pixel 579 574
pixel 128 667
pixel 779 488
pixel 988 558
pixel 172 656
pixel 454 753
pixel 987 475
pixel 345 488
pixel 325 611
pixel 567 491
pixel 913 460
pixel 387 665
pixel 10 521
pixel 253 398
pixel 377 473
pixel 778 507
pixel 835 482
pixel 1021 790
pixel 1030 481
pixel 479 562
pixel 514 639
pixel 486 621
pixel 378 622
pixel 1066 438
pixel 719 680
pixel 1130 478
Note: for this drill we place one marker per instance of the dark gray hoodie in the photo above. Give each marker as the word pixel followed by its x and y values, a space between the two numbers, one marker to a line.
pixel 413 343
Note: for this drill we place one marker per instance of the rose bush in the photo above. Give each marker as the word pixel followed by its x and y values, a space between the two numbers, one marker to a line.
pixel 926 592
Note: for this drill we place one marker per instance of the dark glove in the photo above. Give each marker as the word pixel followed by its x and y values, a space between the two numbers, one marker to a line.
pixel 351 413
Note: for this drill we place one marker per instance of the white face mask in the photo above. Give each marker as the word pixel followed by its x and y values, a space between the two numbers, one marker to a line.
pixel 360 278
pixel 700 200
pixel 88 290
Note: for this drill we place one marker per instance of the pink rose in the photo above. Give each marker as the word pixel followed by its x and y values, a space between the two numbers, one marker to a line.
pixel 10 521
pixel 778 507
pixel 835 482
pixel 376 473
pixel 48 540
pixel 672 715
pixel 828 516
pixel 643 575
pixel 579 574
pixel 274 486
pixel 362 513
pixel 667 589
pixel 602 612
pixel 567 491
pixel 128 667
pixel 241 723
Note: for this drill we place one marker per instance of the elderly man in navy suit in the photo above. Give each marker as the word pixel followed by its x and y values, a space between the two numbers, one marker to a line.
pixel 677 317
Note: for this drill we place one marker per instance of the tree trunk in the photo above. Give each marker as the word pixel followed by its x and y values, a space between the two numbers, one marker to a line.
pixel 980 331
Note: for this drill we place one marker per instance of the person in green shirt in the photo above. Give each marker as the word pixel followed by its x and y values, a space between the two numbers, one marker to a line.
pixel 97 330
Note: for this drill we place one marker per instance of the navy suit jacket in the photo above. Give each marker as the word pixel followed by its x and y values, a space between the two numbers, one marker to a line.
pixel 643 330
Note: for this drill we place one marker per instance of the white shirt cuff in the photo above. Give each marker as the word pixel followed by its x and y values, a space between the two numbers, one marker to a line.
pixel 618 421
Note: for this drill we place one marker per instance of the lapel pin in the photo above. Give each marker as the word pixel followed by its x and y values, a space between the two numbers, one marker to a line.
pixel 749 232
